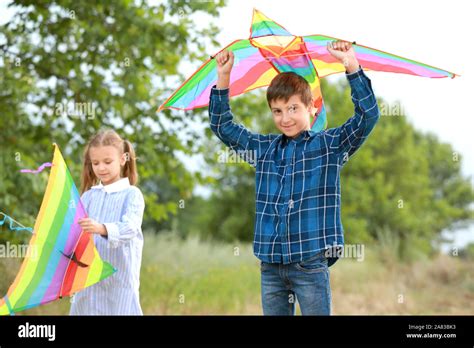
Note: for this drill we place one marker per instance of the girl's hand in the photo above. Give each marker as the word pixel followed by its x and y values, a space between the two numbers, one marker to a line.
pixel 225 61
pixel 344 52
pixel 90 226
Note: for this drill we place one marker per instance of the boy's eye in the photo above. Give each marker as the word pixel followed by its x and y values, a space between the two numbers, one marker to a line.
pixel 292 108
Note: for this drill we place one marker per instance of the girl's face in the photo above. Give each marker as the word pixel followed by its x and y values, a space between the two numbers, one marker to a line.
pixel 106 163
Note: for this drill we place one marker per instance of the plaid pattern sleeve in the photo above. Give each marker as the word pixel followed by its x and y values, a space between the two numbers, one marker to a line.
pixel 246 144
pixel 297 180
pixel 347 138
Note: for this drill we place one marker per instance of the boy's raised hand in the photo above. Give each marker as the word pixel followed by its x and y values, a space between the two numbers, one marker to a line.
pixel 225 61
pixel 344 52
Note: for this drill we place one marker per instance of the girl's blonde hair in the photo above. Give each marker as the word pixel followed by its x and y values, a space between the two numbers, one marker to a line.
pixel 108 138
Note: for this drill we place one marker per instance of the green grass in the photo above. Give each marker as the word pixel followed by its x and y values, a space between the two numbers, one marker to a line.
pixel 194 277
pixel 200 278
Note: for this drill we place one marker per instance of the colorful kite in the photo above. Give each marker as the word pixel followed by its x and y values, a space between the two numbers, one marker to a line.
pixel 66 258
pixel 271 49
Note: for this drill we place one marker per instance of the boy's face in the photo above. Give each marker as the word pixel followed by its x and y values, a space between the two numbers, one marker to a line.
pixel 291 117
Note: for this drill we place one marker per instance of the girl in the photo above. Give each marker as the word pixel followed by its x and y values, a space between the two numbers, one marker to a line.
pixel 115 209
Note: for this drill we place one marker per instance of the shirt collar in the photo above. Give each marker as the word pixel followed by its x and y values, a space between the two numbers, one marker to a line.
pixel 305 135
pixel 117 186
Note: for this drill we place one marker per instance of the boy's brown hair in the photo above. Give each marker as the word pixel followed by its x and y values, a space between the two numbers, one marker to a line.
pixel 287 84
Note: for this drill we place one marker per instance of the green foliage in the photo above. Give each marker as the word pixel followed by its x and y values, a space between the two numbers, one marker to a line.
pixel 467 252
pixel 69 68
pixel 401 181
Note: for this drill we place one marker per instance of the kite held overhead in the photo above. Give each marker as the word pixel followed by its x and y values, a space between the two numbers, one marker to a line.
pixel 272 49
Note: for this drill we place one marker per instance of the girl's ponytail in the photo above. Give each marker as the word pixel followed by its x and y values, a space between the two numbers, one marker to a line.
pixel 130 167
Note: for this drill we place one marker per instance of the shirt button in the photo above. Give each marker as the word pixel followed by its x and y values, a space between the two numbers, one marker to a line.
pixel 290 203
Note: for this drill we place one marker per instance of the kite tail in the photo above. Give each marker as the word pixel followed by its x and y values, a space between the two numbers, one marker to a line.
pixel 39 170
pixel 13 228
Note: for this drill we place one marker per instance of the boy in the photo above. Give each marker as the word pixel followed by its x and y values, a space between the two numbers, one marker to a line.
pixel 297 193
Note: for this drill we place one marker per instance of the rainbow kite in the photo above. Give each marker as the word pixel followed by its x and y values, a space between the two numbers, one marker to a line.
pixel 66 258
pixel 271 49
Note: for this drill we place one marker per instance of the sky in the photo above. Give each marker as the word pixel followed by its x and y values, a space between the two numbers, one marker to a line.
pixel 433 32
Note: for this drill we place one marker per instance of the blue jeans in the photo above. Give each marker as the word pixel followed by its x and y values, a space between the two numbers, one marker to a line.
pixel 307 282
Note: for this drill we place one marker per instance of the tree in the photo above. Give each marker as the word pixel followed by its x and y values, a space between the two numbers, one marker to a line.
pixel 69 68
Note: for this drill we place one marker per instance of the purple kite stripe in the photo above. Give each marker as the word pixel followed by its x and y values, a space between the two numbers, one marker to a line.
pixel 75 228
pixel 55 286
pixel 321 53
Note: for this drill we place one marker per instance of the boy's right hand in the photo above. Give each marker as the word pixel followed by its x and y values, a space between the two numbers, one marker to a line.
pixel 225 61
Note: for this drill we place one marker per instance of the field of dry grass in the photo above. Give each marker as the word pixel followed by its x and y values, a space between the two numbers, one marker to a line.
pixel 194 277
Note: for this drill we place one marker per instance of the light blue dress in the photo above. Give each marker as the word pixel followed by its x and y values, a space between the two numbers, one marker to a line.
pixel 119 206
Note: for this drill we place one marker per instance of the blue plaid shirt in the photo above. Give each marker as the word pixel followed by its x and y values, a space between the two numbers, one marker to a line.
pixel 297 182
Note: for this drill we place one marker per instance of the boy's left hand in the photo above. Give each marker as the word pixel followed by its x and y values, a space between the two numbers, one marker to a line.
pixel 90 226
pixel 344 52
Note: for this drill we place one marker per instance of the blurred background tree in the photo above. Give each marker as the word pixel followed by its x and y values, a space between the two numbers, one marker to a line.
pixel 69 68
